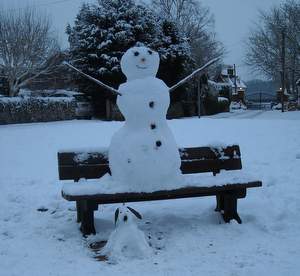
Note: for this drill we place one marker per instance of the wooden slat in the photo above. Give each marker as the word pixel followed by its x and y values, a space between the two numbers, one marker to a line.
pixel 194 160
pixel 201 166
pixel 209 152
pixel 75 159
pixel 232 150
pixel 72 158
pixel 88 172
pixel 96 171
pixel 164 195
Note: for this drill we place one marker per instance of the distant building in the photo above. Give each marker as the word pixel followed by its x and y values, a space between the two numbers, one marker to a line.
pixel 279 95
pixel 230 85
pixel 238 87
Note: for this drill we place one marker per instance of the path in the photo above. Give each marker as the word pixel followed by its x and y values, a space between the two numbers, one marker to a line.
pixel 245 114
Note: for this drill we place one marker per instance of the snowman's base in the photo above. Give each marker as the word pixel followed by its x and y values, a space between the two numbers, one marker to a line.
pixel 227 187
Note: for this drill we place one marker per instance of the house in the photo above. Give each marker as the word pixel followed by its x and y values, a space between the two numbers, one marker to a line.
pixel 231 86
pixel 237 86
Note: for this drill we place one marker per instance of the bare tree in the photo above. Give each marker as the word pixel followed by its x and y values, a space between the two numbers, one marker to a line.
pixel 265 43
pixel 28 47
pixel 196 23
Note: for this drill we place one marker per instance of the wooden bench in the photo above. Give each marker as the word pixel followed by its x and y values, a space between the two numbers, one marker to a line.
pixel 92 165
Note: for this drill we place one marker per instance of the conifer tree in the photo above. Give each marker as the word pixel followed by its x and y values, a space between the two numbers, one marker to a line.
pixel 104 31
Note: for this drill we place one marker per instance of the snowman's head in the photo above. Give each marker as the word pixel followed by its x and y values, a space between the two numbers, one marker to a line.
pixel 123 215
pixel 139 62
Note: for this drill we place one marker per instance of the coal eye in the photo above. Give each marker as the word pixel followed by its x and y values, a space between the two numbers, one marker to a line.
pixel 136 54
pixel 150 52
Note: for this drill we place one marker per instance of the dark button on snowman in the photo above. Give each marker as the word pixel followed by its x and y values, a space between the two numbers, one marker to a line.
pixel 145 139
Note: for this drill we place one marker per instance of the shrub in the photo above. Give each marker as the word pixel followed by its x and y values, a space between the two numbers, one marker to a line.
pixel 213 105
pixel 26 110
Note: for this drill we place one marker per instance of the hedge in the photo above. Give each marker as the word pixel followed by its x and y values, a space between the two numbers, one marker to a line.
pixel 17 110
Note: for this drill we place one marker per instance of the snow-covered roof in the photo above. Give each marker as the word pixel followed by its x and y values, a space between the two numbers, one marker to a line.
pixel 218 85
pixel 225 78
pixel 224 72
pixel 225 69
pixel 239 83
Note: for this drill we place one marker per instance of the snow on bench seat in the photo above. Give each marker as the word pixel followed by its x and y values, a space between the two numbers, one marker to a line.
pixel 106 186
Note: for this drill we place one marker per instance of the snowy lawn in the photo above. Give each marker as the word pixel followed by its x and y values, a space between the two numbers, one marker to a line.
pixel 188 237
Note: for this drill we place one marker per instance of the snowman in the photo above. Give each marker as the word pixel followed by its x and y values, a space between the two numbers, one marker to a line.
pixel 127 240
pixel 143 154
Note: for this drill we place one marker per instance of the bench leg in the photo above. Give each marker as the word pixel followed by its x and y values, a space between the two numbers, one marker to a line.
pixel 230 208
pixel 87 209
pixel 78 208
pixel 220 203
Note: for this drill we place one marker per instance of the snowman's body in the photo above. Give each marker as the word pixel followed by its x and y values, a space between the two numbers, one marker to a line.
pixel 143 154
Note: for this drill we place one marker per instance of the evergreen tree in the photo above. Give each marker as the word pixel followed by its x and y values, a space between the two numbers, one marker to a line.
pixel 175 54
pixel 104 31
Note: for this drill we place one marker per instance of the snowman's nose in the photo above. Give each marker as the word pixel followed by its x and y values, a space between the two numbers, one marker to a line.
pixel 143 59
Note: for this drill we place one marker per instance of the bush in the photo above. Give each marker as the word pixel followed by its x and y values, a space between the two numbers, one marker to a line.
pixel 225 92
pixel 27 110
pixel 213 105
pixel 223 105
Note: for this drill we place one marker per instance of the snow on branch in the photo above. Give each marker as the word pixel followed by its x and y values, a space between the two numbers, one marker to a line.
pixel 103 85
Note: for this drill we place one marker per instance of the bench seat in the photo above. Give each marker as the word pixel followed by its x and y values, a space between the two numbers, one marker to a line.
pixel 206 184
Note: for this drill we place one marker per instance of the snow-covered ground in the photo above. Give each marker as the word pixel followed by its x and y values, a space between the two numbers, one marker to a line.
pixel 188 237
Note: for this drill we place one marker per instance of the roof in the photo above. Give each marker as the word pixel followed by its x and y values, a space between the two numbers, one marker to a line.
pixel 230 81
pixel 224 77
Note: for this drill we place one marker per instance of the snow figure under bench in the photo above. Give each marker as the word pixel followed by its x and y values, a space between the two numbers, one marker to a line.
pixel 143 154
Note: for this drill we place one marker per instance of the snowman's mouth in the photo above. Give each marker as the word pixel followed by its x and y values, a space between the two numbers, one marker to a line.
pixel 141 67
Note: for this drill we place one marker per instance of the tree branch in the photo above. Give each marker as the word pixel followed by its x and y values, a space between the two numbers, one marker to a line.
pixel 194 74
pixel 111 89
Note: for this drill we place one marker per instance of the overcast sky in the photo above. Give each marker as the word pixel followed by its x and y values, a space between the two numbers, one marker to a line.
pixel 233 20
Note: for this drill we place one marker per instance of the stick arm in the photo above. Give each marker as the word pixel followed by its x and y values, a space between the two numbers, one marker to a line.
pixel 193 74
pixel 103 85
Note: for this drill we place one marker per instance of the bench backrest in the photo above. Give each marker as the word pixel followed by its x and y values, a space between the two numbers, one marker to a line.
pixel 90 165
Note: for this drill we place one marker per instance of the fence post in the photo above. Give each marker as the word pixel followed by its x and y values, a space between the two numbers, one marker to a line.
pixel 199 97
pixel 260 101
pixel 283 69
pixel 108 110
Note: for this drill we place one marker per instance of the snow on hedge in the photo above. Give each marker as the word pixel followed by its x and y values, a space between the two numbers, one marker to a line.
pixel 36 109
